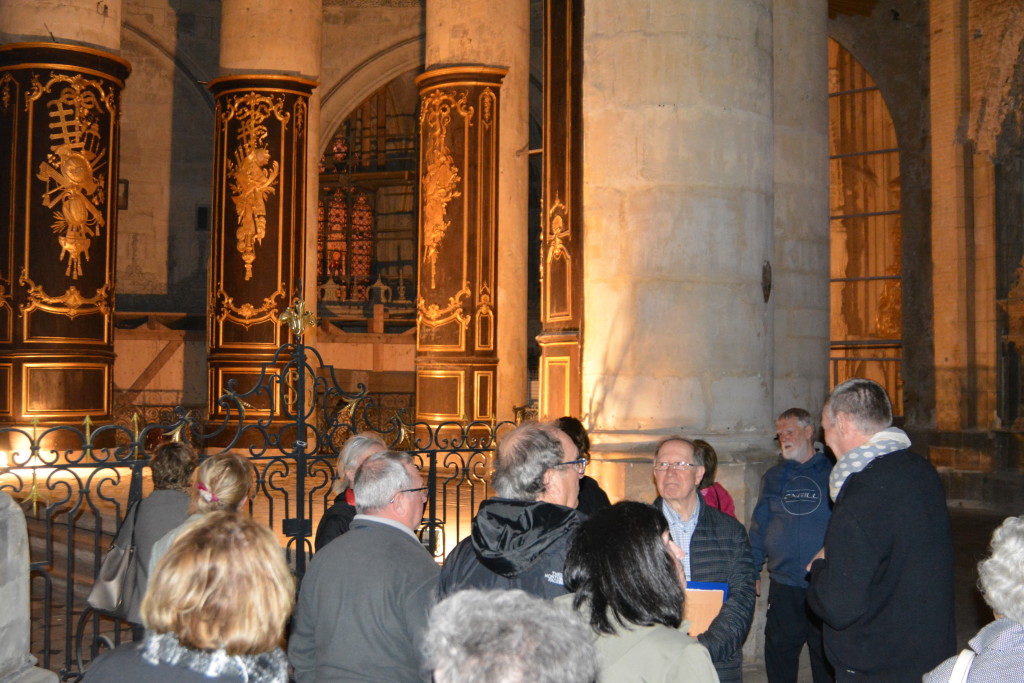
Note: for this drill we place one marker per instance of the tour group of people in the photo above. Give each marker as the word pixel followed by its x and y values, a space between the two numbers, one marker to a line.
pixel 556 584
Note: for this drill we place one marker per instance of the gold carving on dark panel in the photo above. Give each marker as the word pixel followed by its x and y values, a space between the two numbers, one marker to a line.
pixel 71 170
pixel 487 105
pixel 5 95
pixel 253 173
pixel 247 314
pixel 71 303
pixel 434 316
pixel 558 232
pixel 441 177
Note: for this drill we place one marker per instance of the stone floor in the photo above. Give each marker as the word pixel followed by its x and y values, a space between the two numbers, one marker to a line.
pixel 972 530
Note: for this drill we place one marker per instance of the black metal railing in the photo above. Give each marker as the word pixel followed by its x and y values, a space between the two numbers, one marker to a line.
pixel 76 482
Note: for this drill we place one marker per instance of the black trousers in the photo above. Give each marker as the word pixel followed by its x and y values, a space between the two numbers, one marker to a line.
pixel 790 624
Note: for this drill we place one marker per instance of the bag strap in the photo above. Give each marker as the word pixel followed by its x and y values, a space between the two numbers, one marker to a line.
pixel 962 667
pixel 128 525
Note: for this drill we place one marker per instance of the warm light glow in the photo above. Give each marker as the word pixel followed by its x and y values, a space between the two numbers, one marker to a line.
pixel 3 459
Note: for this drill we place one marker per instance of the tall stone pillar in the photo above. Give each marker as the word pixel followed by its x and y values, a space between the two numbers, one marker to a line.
pixel 800 268
pixel 677 192
pixel 561 261
pixel 457 314
pixel 496 34
pixel 60 100
pixel 270 52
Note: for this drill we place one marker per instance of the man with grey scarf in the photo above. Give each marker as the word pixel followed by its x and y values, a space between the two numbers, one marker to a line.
pixel 883 583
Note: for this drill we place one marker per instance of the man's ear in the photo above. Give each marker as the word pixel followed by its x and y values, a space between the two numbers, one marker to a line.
pixel 553 487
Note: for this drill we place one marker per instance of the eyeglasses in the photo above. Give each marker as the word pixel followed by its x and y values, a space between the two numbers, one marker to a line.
pixel 415 490
pixel 580 465
pixel 677 466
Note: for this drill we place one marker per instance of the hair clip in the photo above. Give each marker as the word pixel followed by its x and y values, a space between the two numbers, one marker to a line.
pixel 205 493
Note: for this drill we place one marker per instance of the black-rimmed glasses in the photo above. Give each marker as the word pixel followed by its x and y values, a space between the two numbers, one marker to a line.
pixel 580 465
pixel 418 489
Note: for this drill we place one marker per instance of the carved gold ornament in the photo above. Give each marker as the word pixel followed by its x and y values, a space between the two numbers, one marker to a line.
pixel 247 314
pixel 297 318
pixel 440 181
pixel 252 172
pixel 558 232
pixel 5 94
pixel 434 316
pixel 71 303
pixel 71 172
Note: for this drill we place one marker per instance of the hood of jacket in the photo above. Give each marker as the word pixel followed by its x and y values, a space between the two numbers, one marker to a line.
pixel 510 536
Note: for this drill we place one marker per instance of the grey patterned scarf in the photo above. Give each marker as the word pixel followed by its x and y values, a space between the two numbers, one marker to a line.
pixel 266 667
pixel 884 442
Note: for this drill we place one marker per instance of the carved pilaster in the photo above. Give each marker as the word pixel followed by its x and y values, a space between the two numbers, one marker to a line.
pixel 457 315
pixel 259 212
pixel 561 258
pixel 59 153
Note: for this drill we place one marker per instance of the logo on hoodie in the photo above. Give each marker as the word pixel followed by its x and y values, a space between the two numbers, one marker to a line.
pixel 802 496
pixel 555 578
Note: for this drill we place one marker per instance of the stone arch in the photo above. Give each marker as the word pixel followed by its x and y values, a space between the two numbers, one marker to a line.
pixel 351 88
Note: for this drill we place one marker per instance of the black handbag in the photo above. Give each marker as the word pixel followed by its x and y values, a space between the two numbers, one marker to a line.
pixel 115 583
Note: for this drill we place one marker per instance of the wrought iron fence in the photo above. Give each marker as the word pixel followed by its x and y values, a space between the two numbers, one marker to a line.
pixel 76 483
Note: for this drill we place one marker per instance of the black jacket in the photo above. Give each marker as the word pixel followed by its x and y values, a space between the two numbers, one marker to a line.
pixel 514 544
pixel 885 587
pixel 335 522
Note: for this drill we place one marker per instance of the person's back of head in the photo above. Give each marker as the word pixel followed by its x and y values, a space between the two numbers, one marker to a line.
pixel 223 482
pixel 172 466
pixel 379 478
pixel 1001 575
pixel 703 453
pixel 356 449
pixel 864 402
pixel 507 637
pixel 223 584
pixel 521 460
pixel 620 569
pixel 577 432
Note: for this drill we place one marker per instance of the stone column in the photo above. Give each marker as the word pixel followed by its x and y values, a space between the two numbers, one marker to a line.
pixel 497 34
pixel 677 193
pixel 800 268
pixel 270 52
pixel 16 664
pixel 457 315
pixel 60 99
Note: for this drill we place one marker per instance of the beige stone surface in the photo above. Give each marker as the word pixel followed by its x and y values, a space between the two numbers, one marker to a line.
pixel 82 22
pixel 271 36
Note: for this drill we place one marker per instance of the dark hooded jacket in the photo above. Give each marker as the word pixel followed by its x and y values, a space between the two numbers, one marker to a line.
pixel 514 544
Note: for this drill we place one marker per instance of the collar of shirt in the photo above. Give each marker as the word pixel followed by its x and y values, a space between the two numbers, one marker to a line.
pixel 681 530
pixel 386 521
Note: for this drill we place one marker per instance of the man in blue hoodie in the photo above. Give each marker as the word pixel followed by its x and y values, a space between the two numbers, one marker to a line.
pixel 788 527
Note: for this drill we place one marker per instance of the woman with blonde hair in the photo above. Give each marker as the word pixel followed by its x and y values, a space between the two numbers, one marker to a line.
pixel 215 610
pixel 223 482
pixel 338 517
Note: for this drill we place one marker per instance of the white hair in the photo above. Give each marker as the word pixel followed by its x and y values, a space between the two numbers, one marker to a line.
pixel 1001 576
pixel 507 636
pixel 380 478
pixel 352 455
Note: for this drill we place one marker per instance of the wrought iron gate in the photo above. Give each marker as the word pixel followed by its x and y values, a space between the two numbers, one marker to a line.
pixel 75 483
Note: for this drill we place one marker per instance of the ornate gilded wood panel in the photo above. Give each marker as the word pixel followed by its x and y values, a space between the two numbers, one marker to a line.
pixel 561 262
pixel 258 213
pixel 457 316
pixel 59 135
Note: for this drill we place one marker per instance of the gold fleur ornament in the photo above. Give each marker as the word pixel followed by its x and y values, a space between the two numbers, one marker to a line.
pixel 297 318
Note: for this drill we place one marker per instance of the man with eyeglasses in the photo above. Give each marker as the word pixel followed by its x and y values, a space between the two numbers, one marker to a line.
pixel 716 550
pixel 520 537
pixel 364 603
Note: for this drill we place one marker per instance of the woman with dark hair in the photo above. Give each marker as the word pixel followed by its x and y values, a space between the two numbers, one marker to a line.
pixel 714 493
pixel 172 465
pixel 626 581
pixel 592 497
